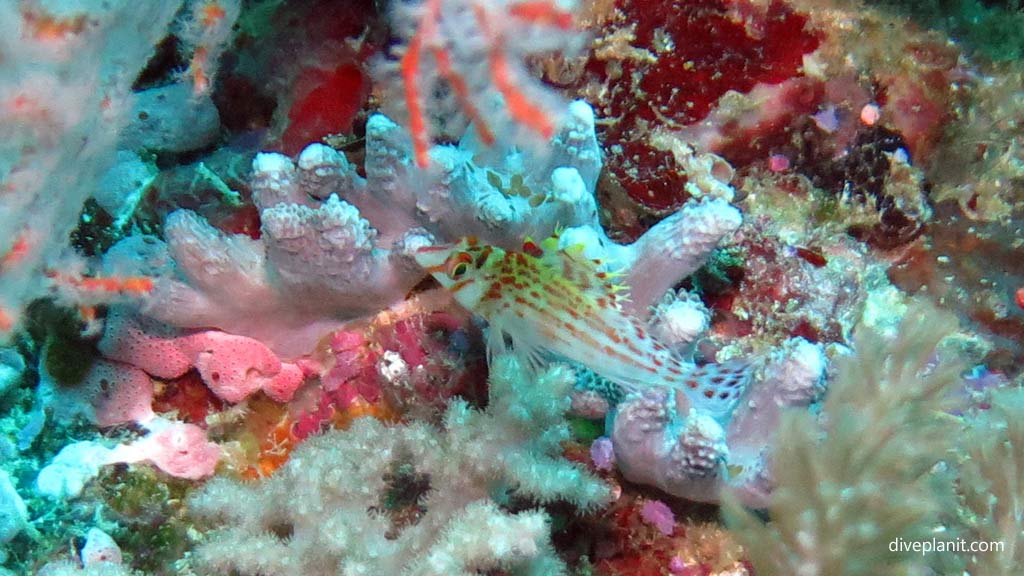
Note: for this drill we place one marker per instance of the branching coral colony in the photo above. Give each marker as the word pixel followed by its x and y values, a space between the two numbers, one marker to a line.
pixel 258 355
pixel 319 261
pixel 475 52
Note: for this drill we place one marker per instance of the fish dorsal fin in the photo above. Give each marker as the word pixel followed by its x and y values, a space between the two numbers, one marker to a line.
pixel 532 248
pixel 717 388
pixel 588 275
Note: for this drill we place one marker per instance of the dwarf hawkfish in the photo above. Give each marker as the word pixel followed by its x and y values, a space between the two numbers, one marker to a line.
pixel 548 300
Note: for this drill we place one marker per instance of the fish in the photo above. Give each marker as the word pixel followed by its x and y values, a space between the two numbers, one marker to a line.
pixel 545 300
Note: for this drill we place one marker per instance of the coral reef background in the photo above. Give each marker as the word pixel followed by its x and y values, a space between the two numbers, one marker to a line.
pixel 587 287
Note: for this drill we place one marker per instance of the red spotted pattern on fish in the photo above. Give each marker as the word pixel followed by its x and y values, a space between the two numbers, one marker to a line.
pixel 549 300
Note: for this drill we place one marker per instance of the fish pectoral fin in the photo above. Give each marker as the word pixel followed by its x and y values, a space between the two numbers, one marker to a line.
pixel 531 358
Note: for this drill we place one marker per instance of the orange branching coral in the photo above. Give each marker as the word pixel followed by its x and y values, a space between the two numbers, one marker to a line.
pixel 134 285
pixel 47 27
pixel 475 52
pixel 206 29
pixel 87 292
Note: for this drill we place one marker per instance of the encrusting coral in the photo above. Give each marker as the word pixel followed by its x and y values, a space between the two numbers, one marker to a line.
pixel 411 498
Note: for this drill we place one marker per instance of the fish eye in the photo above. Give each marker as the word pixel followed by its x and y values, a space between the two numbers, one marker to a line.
pixel 458 265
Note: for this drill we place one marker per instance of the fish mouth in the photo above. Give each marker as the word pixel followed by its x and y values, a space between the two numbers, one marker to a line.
pixel 432 258
pixel 435 248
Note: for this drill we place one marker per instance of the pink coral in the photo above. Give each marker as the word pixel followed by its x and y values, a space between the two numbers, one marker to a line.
pixel 407 359
pixel 110 394
pixel 181 450
pixel 100 548
pixel 351 359
pixel 659 515
pixel 233 367
pixel 124 394
pixel 145 344
pixel 602 453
